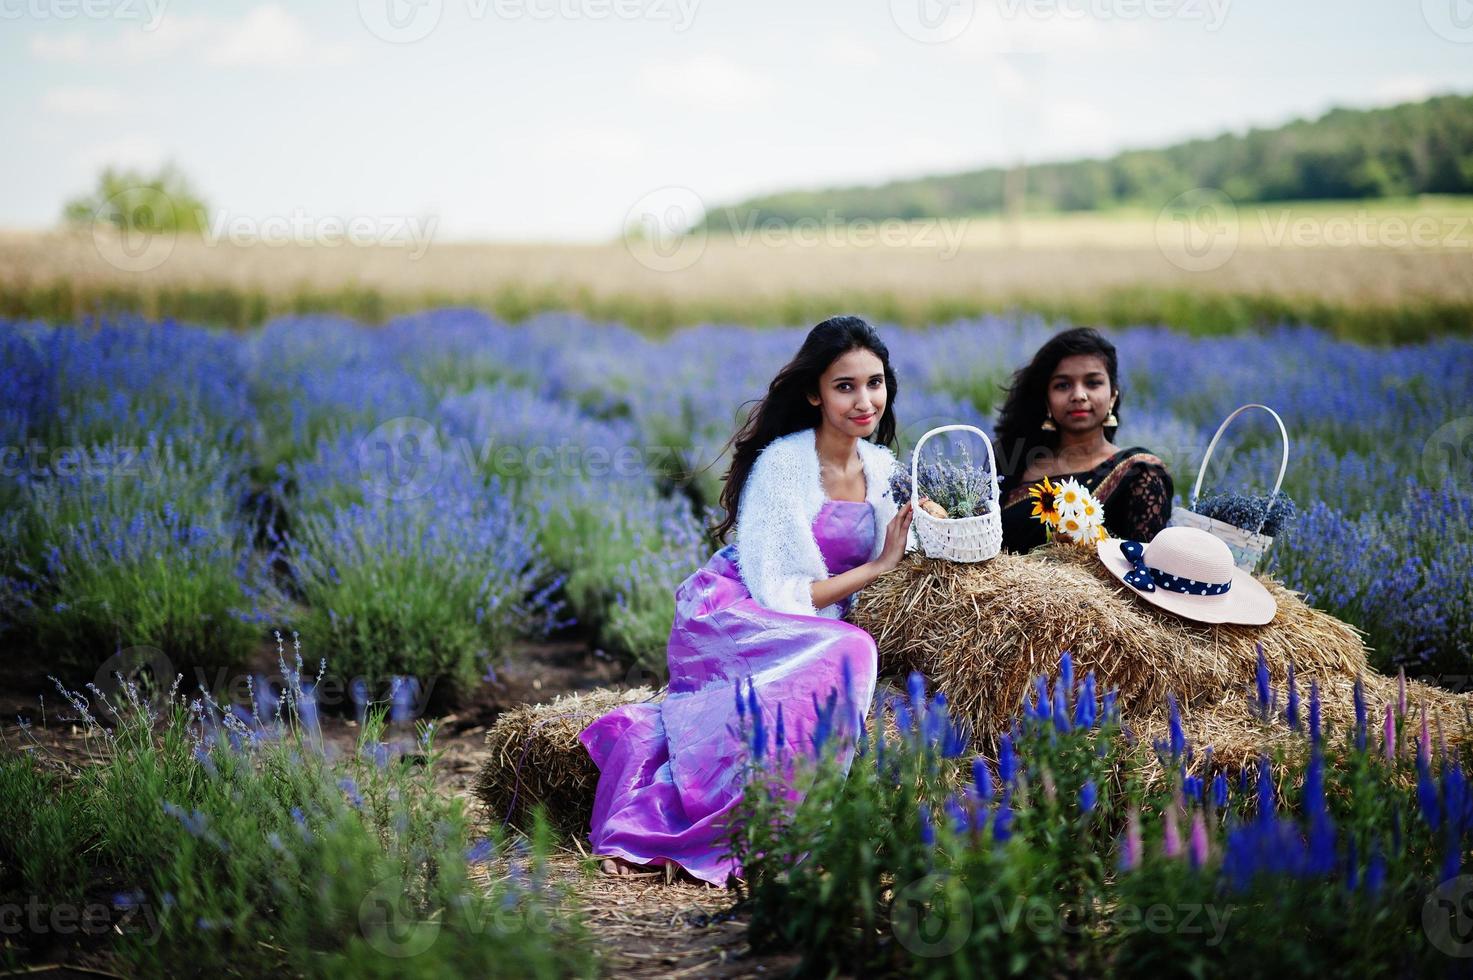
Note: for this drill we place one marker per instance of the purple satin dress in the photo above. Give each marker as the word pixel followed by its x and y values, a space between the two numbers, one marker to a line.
pixel 671 772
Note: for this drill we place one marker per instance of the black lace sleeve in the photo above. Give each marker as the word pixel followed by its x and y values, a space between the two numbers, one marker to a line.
pixel 1146 497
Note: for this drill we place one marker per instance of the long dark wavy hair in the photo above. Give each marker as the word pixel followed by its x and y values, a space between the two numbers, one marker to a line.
pixel 785 407
pixel 1019 438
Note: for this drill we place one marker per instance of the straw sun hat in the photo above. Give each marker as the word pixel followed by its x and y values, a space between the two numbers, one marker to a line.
pixel 1190 572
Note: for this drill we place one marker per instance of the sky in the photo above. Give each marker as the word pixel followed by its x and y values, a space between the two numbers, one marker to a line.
pixel 551 120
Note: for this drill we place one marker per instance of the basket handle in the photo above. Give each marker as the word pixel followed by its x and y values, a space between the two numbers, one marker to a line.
pixel 1283 461
pixel 915 458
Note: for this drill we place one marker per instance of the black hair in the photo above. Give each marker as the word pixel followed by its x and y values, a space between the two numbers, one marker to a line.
pixel 1019 437
pixel 785 408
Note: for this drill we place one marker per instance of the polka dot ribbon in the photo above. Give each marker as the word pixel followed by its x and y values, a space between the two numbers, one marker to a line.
pixel 1145 578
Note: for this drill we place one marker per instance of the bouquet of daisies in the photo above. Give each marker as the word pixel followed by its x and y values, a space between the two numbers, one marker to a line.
pixel 1068 510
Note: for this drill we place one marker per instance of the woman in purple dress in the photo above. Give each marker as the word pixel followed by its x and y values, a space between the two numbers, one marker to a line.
pixel 808 496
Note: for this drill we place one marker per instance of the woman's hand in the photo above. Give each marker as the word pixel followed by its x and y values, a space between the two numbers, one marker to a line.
pixel 895 535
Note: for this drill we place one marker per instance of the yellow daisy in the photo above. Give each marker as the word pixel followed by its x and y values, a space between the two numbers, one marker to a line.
pixel 1045 503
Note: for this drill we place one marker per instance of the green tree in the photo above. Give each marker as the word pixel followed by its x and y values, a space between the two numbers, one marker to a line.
pixel 135 201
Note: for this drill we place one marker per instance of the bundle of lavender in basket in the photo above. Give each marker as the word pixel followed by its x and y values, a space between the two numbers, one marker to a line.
pixel 951 489
pixel 1249 511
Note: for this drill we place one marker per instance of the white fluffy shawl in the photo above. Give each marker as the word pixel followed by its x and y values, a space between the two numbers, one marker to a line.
pixel 777 554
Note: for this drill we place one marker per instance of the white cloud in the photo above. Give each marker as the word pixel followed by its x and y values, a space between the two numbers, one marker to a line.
pixel 1012 27
pixel 846 51
pixel 61 47
pixel 271 35
pixel 267 35
pixel 82 100
pixel 606 144
pixel 705 80
pixel 1404 88
pixel 133 152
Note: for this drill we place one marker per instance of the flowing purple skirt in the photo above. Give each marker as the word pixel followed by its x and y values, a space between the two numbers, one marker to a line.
pixel 671 772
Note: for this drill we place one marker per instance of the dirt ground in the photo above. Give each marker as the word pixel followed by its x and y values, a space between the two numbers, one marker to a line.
pixel 645 925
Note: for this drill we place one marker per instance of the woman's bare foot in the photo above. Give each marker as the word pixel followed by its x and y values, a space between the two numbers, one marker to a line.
pixel 621 868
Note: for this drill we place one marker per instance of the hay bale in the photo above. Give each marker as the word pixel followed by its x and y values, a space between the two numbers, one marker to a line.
pixel 1231 727
pixel 534 756
pixel 981 631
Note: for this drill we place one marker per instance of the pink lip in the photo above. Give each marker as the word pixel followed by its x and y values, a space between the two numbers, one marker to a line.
pixel 1082 411
pixel 862 419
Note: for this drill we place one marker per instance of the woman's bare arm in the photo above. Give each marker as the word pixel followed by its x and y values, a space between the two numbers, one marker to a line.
pixel 836 587
pixel 830 590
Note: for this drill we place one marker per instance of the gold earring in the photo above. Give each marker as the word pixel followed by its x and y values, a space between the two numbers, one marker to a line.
pixel 1110 420
pixel 1048 424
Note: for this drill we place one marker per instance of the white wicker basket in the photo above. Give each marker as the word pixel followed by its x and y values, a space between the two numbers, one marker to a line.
pixel 1247 546
pixel 966 539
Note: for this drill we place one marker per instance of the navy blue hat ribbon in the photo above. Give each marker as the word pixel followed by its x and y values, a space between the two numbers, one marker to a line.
pixel 1145 578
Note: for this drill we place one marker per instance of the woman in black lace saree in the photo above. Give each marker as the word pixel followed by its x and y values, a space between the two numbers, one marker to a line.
pixel 1055 422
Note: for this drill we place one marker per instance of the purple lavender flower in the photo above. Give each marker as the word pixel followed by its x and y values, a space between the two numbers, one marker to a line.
pixel 928 830
pixel 1197 848
pixel 982 778
pixel 1219 791
pixel 1261 675
pixel 1291 710
pixel 1314 712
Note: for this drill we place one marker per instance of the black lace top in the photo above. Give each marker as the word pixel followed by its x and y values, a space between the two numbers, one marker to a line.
pixel 1133 486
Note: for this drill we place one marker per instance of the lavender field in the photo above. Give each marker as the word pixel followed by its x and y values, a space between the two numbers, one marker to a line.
pixel 412 498
pixel 419 502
